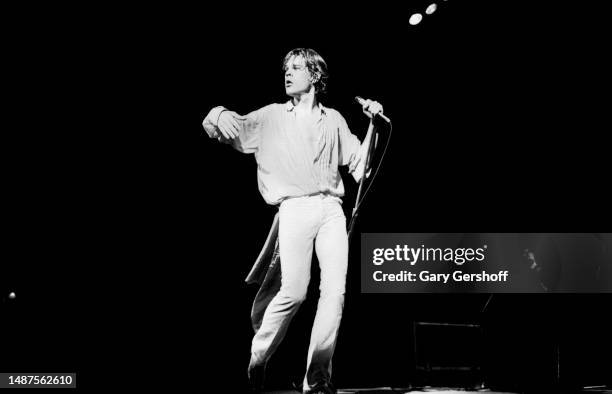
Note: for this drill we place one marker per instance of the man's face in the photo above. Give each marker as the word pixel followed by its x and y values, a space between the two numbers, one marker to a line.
pixel 297 77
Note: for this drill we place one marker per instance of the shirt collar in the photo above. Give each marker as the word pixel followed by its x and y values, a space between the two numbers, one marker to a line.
pixel 290 107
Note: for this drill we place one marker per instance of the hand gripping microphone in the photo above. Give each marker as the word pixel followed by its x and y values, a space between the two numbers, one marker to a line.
pixel 362 102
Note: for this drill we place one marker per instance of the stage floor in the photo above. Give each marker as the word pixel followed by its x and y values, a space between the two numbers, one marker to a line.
pixel 388 390
pixel 441 390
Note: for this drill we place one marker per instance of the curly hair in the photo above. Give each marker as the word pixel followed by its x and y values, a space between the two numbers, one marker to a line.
pixel 315 65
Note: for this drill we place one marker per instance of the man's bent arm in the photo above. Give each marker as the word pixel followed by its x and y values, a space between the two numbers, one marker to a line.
pixel 358 170
pixel 242 132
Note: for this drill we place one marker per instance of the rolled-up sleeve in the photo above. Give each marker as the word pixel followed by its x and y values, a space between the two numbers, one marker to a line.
pixel 349 144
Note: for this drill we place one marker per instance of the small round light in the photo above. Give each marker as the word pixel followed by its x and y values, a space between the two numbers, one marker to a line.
pixel 415 19
pixel 431 9
pixel 12 295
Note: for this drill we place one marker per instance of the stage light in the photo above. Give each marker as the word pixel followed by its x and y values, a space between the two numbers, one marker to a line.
pixel 415 19
pixel 12 295
pixel 431 9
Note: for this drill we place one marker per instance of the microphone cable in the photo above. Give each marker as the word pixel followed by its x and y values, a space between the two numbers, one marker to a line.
pixel 358 203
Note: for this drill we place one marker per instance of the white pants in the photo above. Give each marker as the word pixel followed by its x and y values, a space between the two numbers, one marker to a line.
pixel 317 219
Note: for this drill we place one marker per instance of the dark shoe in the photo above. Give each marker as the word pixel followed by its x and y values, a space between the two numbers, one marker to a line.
pixel 322 388
pixel 257 376
pixel 297 387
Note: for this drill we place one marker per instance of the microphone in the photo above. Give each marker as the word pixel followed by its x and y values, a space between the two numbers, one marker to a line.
pixel 361 102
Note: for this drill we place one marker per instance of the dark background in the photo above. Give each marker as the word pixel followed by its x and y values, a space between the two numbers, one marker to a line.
pixel 129 234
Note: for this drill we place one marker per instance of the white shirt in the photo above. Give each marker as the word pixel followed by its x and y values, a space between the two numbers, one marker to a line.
pixel 293 158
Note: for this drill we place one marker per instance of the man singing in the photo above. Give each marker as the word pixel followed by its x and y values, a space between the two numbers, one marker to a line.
pixel 298 146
